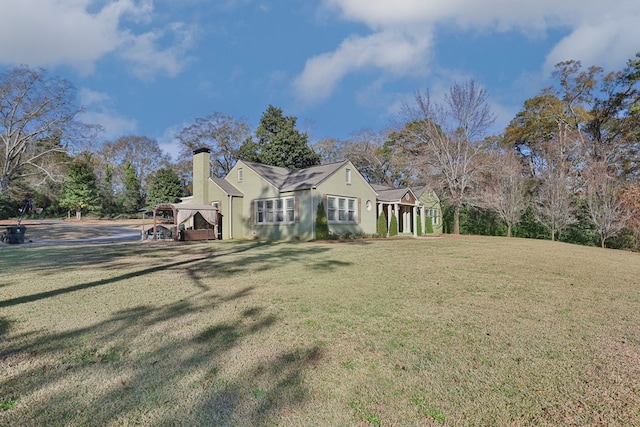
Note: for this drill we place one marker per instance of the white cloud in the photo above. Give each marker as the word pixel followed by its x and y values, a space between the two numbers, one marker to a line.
pixel 99 110
pixel 147 59
pixel 78 33
pixel 608 40
pixel 392 51
pixel 168 142
pixel 603 33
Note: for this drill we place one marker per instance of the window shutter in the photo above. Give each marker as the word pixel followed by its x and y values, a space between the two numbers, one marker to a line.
pixel 252 219
pixel 359 211
pixel 296 209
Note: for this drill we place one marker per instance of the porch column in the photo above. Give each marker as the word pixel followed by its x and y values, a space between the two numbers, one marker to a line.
pixel 423 219
pixel 396 208
pixel 388 218
pixel 414 211
pixel 406 224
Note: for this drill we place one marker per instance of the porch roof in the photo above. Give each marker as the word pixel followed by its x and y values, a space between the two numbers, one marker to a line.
pixel 393 195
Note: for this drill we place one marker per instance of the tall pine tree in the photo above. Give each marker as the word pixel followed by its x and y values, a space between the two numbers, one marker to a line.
pixel 279 143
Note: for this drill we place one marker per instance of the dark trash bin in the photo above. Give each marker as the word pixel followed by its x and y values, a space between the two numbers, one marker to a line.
pixel 15 234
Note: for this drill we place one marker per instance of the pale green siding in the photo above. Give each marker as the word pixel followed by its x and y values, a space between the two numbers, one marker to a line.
pixel 336 185
pixel 431 201
pixel 254 187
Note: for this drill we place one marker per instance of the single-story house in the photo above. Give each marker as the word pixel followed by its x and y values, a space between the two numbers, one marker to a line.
pixel 257 201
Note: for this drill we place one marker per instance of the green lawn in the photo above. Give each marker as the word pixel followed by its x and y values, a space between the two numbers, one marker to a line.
pixel 451 331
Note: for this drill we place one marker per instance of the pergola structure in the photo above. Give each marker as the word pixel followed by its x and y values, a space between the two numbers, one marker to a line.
pixel 205 229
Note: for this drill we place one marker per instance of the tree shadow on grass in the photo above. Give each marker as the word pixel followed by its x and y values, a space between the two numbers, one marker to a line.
pixel 175 363
pixel 200 264
pixel 103 375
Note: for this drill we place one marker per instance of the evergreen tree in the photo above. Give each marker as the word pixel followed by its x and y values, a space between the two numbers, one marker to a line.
pixel 322 225
pixel 165 188
pixel 80 191
pixel 419 226
pixel 381 228
pixel 279 143
pixel 132 198
pixel 107 194
pixel 393 225
pixel 428 227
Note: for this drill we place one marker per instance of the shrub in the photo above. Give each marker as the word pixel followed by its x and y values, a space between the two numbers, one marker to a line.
pixel 322 225
pixel 393 225
pixel 381 228
pixel 7 207
pixel 428 225
pixel 419 226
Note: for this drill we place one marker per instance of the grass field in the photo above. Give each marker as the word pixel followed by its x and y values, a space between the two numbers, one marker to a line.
pixel 451 331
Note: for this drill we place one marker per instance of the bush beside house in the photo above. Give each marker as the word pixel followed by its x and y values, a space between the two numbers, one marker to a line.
pixel 393 225
pixel 381 229
pixel 322 225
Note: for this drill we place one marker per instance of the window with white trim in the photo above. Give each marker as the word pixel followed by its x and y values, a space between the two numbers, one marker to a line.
pixel 433 213
pixel 240 174
pixel 341 209
pixel 348 176
pixel 275 211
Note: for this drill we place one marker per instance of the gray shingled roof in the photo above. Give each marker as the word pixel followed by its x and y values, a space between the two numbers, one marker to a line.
pixel 275 175
pixel 287 180
pixel 390 194
pixel 227 187
pixel 310 177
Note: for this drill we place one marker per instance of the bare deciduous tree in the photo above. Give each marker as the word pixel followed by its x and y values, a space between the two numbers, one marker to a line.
pixel 604 202
pixel 37 123
pixel 141 152
pixel 554 207
pixel 222 134
pixel 446 139
pixel 502 188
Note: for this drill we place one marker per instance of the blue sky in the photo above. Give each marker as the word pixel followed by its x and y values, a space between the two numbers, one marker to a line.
pixel 150 67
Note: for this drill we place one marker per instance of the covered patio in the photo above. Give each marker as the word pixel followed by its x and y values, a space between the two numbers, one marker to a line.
pixel 185 222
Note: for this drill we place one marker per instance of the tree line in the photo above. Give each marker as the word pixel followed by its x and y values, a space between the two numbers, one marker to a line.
pixel 565 168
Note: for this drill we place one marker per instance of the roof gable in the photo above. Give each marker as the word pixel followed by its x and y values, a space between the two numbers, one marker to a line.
pixel 274 175
pixel 284 179
pixel 302 179
pixel 390 194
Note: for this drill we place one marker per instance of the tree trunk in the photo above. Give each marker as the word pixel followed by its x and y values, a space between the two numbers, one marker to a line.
pixel 508 230
pixel 602 239
pixel 4 185
pixel 78 215
pixel 456 219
